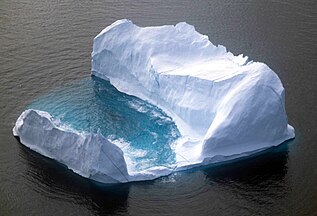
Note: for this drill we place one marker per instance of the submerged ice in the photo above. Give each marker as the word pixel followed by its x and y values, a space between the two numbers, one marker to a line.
pixel 143 131
pixel 221 107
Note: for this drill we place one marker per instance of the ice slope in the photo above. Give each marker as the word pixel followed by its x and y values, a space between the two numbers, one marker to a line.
pixel 224 105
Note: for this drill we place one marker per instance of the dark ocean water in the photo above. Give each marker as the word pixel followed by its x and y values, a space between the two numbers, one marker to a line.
pixel 45 45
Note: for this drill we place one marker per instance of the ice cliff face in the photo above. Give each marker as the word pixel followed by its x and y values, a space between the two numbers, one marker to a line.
pixel 82 153
pixel 222 104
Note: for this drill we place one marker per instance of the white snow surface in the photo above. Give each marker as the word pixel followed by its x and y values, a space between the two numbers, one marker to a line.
pixel 224 106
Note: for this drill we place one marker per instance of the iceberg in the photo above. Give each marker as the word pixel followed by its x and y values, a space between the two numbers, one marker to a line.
pixel 224 106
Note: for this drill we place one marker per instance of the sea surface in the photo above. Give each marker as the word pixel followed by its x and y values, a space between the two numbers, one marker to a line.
pixel 46 45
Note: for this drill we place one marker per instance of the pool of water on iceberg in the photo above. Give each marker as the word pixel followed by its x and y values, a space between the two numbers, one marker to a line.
pixel 143 131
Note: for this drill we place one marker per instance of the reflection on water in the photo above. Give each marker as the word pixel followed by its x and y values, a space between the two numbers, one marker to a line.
pixel 269 164
pixel 57 182
pixel 257 184
pixel 252 186
pixel 249 184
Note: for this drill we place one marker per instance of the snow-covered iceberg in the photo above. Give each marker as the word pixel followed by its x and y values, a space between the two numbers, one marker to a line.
pixel 224 106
